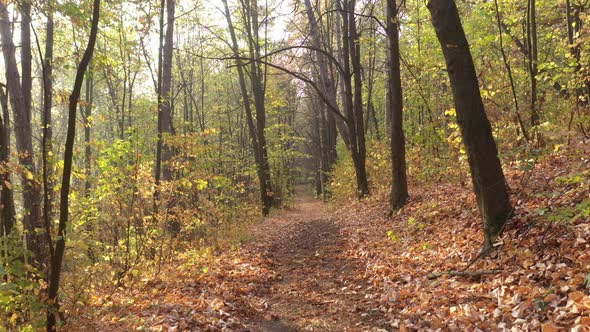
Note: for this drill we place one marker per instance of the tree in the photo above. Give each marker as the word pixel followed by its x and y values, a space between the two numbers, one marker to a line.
pixel 7 209
pixel 86 121
pixel 353 104
pixel 26 54
pixel 64 205
pixel 165 102
pixel 24 142
pixel 487 176
pixel 327 120
pixel 509 72
pixel 163 91
pixel 399 185
pixel 47 131
pixel 533 54
pixel 255 126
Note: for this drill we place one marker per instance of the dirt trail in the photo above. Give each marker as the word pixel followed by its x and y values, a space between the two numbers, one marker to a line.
pixel 316 288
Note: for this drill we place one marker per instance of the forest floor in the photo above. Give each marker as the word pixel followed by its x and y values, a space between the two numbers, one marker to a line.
pixel 316 286
pixel 318 267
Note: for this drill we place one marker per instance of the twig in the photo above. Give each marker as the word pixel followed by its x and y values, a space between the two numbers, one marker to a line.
pixel 455 273
pixel 483 253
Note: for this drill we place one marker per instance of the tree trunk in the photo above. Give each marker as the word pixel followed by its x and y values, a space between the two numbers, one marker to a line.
pixel 24 143
pixel 54 279
pixel 158 166
pixel 533 60
pixel 46 141
pixel 354 103
pixel 164 107
pixel 7 209
pixel 258 83
pixel 509 72
pixel 329 89
pixel 488 179
pixel 25 53
pixel 254 129
pixel 86 116
pixel 399 185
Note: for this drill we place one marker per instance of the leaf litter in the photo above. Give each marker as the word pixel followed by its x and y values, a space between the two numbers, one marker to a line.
pixel 352 268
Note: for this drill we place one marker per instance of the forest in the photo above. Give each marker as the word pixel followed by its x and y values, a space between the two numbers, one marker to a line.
pixel 295 165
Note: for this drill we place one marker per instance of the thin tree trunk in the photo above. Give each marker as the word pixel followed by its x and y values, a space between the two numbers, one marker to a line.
pixel 158 166
pixel 164 107
pixel 488 179
pixel 370 79
pixel 87 113
pixel 509 72
pixel 54 278
pixel 574 25
pixel 46 142
pixel 353 53
pixel 533 60
pixel 26 55
pixel 7 209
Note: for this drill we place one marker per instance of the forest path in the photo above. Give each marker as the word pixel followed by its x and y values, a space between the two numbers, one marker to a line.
pixel 316 288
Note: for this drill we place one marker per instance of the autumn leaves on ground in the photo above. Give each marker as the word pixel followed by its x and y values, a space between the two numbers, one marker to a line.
pixel 320 267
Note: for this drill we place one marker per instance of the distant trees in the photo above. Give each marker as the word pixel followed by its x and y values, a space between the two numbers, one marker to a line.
pixel 348 115
pixel 327 120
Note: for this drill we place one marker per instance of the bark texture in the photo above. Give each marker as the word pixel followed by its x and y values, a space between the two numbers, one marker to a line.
pixel 488 179
pixel 164 107
pixel 399 185
pixel 24 143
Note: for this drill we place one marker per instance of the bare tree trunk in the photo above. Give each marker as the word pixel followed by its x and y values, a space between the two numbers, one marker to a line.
pixel 158 166
pixel 488 179
pixel 533 60
pixel 164 107
pixel 86 116
pixel 369 77
pixel 54 278
pixel 399 185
